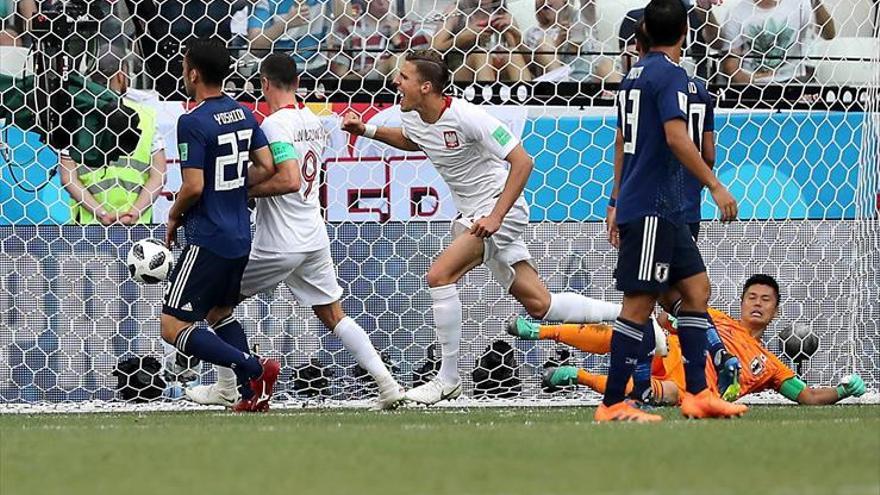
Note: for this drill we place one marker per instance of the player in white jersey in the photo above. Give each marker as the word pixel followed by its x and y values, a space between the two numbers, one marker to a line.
pixel 486 169
pixel 290 242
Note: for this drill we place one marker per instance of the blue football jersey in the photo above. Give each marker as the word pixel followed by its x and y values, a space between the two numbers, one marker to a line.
pixel 217 137
pixel 701 119
pixel 654 91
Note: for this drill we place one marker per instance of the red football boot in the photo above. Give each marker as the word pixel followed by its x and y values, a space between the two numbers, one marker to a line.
pixel 262 387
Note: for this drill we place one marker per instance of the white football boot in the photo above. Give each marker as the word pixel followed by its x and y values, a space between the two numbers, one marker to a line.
pixel 434 391
pixel 661 348
pixel 391 396
pixel 212 395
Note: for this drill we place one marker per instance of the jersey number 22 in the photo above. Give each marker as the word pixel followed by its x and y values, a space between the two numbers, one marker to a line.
pixel 240 143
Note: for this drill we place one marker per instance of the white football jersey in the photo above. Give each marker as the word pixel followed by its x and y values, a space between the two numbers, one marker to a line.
pixel 292 223
pixel 468 147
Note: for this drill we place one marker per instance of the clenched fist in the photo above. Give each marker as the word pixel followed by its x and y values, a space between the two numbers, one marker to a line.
pixel 353 124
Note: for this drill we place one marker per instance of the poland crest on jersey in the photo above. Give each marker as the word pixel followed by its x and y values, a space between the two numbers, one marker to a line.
pixel 451 138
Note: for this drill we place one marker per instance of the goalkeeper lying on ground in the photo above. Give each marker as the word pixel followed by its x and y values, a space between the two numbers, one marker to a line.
pixel 761 369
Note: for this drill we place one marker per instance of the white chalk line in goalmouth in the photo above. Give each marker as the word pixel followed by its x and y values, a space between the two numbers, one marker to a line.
pixel 179 405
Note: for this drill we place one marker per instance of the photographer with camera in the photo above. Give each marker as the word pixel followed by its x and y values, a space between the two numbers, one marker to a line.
pixel 122 191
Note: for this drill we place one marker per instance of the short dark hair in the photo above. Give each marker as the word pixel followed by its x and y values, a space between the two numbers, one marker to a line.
pixel 431 68
pixel 280 70
pixel 665 21
pixel 211 58
pixel 641 35
pixel 761 279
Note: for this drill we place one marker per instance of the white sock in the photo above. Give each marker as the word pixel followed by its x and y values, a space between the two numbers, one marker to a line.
pixel 569 307
pixel 447 321
pixel 226 378
pixel 356 341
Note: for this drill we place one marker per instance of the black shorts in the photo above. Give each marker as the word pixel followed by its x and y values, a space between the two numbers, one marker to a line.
pixel 201 281
pixel 695 230
pixel 655 254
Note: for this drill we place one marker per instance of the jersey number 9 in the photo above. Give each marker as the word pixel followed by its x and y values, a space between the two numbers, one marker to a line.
pixel 309 172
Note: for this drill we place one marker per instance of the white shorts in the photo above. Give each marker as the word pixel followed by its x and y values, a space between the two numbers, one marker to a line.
pixel 504 248
pixel 311 276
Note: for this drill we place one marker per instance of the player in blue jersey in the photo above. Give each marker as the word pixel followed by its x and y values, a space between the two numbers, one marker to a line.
pixel 701 128
pixel 656 249
pixel 216 140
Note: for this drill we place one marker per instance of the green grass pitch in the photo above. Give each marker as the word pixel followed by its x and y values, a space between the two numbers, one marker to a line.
pixel 784 450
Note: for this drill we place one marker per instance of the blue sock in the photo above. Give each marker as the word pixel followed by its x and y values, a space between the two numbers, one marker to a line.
pixel 692 328
pixel 642 374
pixel 716 346
pixel 207 346
pixel 625 342
pixel 230 330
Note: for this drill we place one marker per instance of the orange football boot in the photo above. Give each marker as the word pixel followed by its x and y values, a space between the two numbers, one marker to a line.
pixel 707 404
pixel 624 412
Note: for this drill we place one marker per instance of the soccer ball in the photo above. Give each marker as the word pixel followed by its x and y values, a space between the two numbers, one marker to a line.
pixel 149 261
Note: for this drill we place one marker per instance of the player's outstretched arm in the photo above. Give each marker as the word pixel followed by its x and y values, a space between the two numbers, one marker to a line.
pixel 709 149
pixel 683 148
pixel 286 179
pixel 262 166
pixel 392 136
pixel 611 211
pixel 521 166
pixel 796 390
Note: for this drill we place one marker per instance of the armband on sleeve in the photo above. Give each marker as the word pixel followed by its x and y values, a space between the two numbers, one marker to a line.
pixel 282 151
pixel 792 388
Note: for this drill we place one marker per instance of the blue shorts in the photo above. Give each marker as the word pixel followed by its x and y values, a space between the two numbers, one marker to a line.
pixel 655 254
pixel 202 281
pixel 695 230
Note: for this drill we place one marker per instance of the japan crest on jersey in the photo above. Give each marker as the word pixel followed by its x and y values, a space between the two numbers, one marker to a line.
pixel 661 272
pixel 451 139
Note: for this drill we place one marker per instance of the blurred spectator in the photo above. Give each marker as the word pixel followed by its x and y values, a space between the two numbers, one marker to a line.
pixel 762 34
pixel 113 17
pixel 703 34
pixel 369 37
pixel 122 191
pixel 298 26
pixel 14 16
pixel 483 38
pixel 238 25
pixel 8 37
pixel 200 19
pixel 170 23
pixel 561 43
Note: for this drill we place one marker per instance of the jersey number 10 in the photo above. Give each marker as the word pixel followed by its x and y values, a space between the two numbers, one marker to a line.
pixel 238 141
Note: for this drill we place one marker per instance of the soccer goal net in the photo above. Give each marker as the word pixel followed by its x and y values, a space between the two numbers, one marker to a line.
pixel 797 145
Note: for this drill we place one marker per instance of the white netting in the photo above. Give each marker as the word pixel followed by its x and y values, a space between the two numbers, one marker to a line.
pixel 802 160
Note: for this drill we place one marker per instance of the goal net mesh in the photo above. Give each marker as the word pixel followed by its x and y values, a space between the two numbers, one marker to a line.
pixel 801 158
